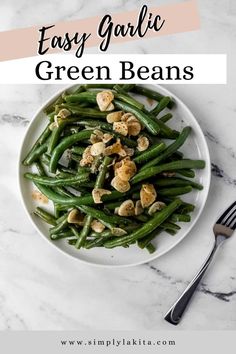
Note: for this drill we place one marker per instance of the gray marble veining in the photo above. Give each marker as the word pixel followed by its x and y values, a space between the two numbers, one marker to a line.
pixel 42 289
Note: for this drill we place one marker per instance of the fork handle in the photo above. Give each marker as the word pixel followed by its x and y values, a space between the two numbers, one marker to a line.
pixel 175 313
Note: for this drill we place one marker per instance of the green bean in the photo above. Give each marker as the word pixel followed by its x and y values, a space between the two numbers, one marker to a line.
pixel 50 108
pixel 61 218
pixel 51 116
pixel 105 234
pixel 68 171
pixel 186 173
pixel 60 226
pixel 72 241
pixel 153 139
pixel 162 104
pixel 86 96
pixel 71 129
pixel 52 181
pixel 150 248
pixel 106 86
pixel 35 154
pixel 175 181
pixel 165 131
pixel 84 105
pixel 89 216
pixel 168 225
pixel 127 87
pixel 41 140
pixel 103 217
pixel 45 159
pixel 148 227
pixel 87 185
pixel 145 119
pixel 150 153
pixel 112 205
pixel 56 133
pixel 170 149
pixel 62 191
pixel 123 96
pixel 170 166
pixel 143 242
pixel 65 144
pixel 74 191
pixel 80 89
pixel 177 155
pixel 75 157
pixel 175 191
pixel 166 117
pixel 126 141
pixel 180 217
pixel 63 234
pixel 108 233
pixel 102 172
pixel 78 150
pixel 40 168
pixel 118 88
pixel 165 225
pixel 75 231
pixel 68 174
pixel 94 123
pixel 98 242
pixel 84 112
pixel 150 94
pixel 142 217
pixel 44 136
pixel 45 216
pixel 171 232
pixel 73 201
pixel 85 231
pixel 186 208
pixel 57 212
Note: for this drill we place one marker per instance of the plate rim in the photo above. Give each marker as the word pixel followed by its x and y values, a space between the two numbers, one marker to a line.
pixel 149 258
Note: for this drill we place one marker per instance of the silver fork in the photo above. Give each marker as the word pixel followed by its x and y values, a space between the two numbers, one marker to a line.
pixel 223 229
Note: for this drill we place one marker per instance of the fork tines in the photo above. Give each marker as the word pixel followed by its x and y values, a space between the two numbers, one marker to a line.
pixel 228 218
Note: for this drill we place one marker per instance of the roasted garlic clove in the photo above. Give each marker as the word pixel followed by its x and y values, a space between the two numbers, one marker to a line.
pixel 147 195
pixel 114 117
pixel 120 185
pixel 157 206
pixel 143 143
pixel 97 194
pixel 126 208
pixel 97 226
pixel 97 148
pixel 104 100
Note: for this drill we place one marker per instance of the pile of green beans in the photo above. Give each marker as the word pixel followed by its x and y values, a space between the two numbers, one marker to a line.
pixel 55 168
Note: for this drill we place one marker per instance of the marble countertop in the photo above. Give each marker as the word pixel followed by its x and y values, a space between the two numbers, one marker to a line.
pixel 40 288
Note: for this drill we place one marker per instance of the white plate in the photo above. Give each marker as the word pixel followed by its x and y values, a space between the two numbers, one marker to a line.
pixel 195 147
